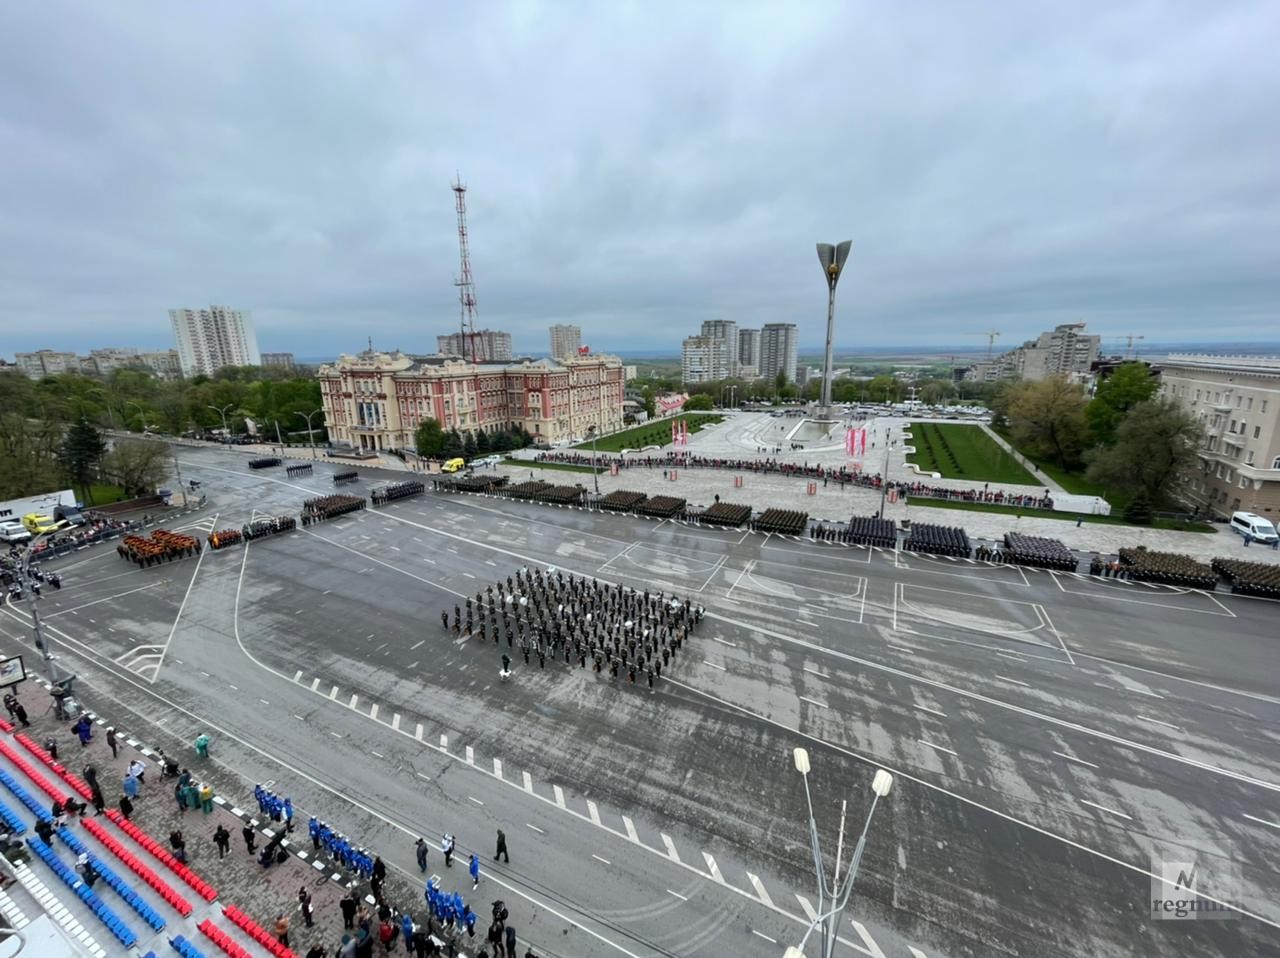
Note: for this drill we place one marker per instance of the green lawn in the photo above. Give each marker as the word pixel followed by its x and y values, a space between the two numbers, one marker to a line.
pixel 960 451
pixel 1112 520
pixel 563 466
pixel 656 433
pixel 100 495
pixel 1074 481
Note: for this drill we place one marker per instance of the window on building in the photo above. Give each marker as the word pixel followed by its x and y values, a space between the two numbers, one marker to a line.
pixel 1232 427
pixel 1197 395
pixel 1249 404
pixel 1257 432
pixel 1239 399
pixel 1264 405
pixel 1249 458
pixel 1276 464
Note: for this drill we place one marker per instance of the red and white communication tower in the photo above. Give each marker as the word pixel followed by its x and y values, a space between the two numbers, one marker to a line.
pixel 466 285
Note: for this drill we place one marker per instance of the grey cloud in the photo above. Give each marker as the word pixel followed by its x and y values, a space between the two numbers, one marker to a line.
pixel 638 168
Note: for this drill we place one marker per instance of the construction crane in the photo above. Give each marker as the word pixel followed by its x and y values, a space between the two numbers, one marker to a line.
pixel 992 335
pixel 1130 339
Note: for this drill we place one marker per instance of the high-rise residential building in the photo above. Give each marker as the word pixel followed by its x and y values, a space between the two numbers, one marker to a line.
pixel 703 359
pixel 47 362
pixel 565 341
pixel 778 344
pixel 485 346
pixel 726 330
pixel 1065 350
pixel 802 374
pixel 1237 398
pixel 283 360
pixel 377 400
pixel 748 349
pixel 208 339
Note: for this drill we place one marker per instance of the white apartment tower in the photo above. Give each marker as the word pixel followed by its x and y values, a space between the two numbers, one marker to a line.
pixel 778 343
pixel 726 331
pixel 702 360
pixel 208 339
pixel 749 347
pixel 565 341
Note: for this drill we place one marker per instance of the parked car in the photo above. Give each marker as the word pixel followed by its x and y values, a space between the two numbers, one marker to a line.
pixel 484 461
pixel 12 531
pixel 1254 526
pixel 454 465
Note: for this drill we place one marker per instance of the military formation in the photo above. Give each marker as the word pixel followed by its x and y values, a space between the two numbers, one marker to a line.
pixel 631 635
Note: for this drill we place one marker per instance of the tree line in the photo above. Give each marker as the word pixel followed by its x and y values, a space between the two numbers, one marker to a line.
pixel 47 426
pixel 1126 439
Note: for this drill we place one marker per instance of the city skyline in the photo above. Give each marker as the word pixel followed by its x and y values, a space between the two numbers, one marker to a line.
pixel 1063 177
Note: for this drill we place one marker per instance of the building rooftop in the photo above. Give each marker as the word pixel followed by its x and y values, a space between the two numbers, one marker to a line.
pixel 1257 365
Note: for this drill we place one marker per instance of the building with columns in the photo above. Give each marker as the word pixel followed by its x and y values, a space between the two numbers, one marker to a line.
pixel 376 400
pixel 1237 399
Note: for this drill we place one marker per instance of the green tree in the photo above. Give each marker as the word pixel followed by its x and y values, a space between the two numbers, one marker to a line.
pixel 500 441
pixel 1128 385
pixel 469 445
pixel 138 466
pixel 452 444
pixel 1139 510
pixel 82 449
pixel 780 383
pixel 649 398
pixel 699 402
pixel 1154 452
pixel 1047 419
pixel 881 387
pixel 482 441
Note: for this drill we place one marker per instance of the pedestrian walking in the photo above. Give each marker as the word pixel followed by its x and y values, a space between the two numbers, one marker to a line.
pixel 282 929
pixel 96 796
pixel 202 745
pixel 249 837
pixel 126 807
pixel 379 877
pixel 511 942
pixel 111 741
pixel 317 951
pixel 446 846
pixel 84 729
pixel 129 784
pixel 179 795
pixel 206 798
pixel 502 847
pixel 139 771
pixel 222 838
pixel 304 905
pixel 474 868
pixel 21 713
pixel 420 849
pixel 10 700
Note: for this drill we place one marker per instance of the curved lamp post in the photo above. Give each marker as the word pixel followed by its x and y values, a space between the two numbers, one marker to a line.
pixel 834 895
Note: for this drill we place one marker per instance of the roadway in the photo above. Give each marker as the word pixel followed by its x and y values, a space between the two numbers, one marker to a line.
pixel 1053 735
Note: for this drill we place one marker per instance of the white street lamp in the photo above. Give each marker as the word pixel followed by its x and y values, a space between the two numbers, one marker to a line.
pixel 833 896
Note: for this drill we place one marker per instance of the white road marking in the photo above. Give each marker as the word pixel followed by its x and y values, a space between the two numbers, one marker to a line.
pixel 376 754
pixel 714 666
pixel 676 894
pixel 497 768
pixel 264 701
pixel 444 741
pixel 471 755
pixel 417 731
pixel 599 859
pixel 938 747
pixel 334 694
pixel 468 575
pixel 593 811
pixel 713 867
pixel 395 722
pixel 807 907
pixel 476 800
pixel 1263 821
pixel 1013 655
pixel 427 777
pixel 1103 808
pixel 559 792
pixel 297 675
pixel 354 699
pixel 630 826
pixel 416 644
pixel 805 698
pixel 764 936
pixel 535 828
pixel 528 781
pixel 872 948
pixel 315 683
pixel 671 847
pixel 1154 721
pixel 813 671
pixel 298 717
pixel 1005 678
pixel 732 645
pixel 373 712
pixel 761 892
pixel 1072 758
pixel 925 708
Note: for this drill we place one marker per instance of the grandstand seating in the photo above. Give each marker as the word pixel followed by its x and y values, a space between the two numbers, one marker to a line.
pixel 136 865
pixel 201 887
pixel 123 933
pixel 112 880
pixel 257 932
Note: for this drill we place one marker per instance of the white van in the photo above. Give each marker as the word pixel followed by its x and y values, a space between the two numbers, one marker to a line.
pixel 1254 526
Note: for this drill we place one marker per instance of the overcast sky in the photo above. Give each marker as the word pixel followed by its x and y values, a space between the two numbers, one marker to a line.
pixel 637 168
